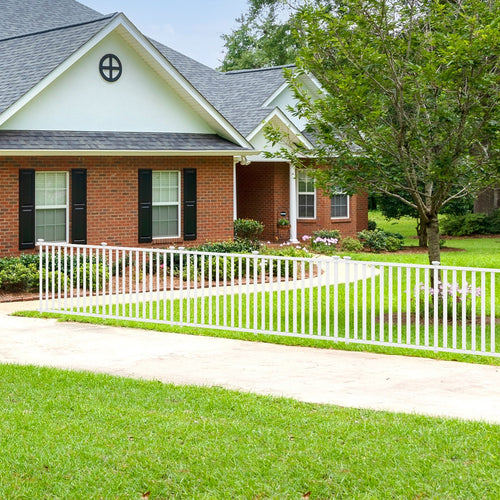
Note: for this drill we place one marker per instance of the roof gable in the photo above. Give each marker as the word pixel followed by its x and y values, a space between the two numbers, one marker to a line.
pixel 58 62
pixel 27 60
pixel 80 99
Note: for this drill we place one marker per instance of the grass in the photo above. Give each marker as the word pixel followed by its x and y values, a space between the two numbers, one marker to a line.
pixel 75 435
pixel 479 252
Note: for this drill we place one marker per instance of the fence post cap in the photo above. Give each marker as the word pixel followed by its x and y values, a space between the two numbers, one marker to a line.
pixel 255 252
pixel 104 244
pixel 347 258
pixel 435 262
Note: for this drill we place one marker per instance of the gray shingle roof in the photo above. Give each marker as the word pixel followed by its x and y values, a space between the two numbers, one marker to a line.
pixel 26 60
pixel 237 95
pixel 47 32
pixel 112 141
pixel 19 17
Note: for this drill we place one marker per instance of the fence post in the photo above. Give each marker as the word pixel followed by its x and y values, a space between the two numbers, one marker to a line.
pixel 40 242
pixel 436 278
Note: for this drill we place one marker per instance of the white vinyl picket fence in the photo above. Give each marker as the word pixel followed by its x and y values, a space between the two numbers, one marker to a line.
pixel 414 306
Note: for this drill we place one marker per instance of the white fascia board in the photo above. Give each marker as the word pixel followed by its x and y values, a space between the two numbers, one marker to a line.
pixel 64 66
pixel 128 152
pixel 277 113
pixel 173 76
pixel 308 76
pixel 274 95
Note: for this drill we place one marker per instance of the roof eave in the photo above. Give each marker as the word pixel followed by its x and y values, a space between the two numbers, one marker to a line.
pixel 127 152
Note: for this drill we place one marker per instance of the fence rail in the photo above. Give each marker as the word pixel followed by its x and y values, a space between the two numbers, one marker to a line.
pixel 428 307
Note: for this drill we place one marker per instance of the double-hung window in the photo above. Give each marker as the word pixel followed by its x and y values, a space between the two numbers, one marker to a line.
pixel 339 205
pixel 51 206
pixel 306 196
pixel 166 204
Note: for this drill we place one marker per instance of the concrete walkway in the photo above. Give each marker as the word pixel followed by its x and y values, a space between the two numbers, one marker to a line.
pixel 361 380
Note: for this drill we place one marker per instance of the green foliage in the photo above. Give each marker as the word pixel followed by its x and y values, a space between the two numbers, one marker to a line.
pixel 410 91
pixel 372 225
pixel 327 234
pixel 248 229
pixel 237 246
pixel 89 274
pixel 378 240
pixel 263 38
pixel 16 277
pixel 393 208
pixel 466 225
pixel 349 244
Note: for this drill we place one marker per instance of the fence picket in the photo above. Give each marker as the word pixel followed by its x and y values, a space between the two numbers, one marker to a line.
pixel 278 295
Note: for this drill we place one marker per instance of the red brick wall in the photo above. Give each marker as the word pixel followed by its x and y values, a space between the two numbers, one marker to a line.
pixel 112 196
pixel 357 221
pixel 263 193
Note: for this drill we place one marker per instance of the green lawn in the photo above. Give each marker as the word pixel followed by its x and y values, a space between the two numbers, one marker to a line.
pixel 464 252
pixel 73 435
pixel 477 252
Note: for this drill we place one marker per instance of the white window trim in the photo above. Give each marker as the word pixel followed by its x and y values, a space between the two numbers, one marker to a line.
pixel 170 204
pixel 51 207
pixel 305 193
pixel 348 216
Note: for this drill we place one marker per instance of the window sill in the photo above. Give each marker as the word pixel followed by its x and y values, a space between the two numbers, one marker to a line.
pixel 340 220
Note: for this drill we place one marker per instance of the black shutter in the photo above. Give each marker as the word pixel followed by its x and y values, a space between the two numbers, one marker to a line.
pixel 190 204
pixel 26 209
pixel 79 206
pixel 145 206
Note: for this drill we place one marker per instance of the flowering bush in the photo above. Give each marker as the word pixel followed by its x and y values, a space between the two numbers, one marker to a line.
pixel 456 295
pixel 323 241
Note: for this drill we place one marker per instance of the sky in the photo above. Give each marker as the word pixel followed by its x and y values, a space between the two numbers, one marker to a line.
pixel 192 27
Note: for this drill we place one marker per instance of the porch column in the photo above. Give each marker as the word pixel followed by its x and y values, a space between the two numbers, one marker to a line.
pixel 293 206
pixel 235 191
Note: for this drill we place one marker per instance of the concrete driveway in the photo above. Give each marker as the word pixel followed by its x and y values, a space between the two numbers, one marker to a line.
pixel 360 380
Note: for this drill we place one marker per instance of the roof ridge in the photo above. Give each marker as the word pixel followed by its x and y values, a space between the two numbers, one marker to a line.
pixel 254 70
pixel 109 16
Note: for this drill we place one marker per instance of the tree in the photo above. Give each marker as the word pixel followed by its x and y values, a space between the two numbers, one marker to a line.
pixel 393 208
pixel 263 38
pixel 410 107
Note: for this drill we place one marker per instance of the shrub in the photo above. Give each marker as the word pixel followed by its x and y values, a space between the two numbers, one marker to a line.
pixel 494 222
pixel 247 229
pixel 323 241
pixel 16 277
pixel 237 246
pixel 372 225
pixel 85 275
pixel 465 225
pixel 378 240
pixel 349 244
pixel 327 234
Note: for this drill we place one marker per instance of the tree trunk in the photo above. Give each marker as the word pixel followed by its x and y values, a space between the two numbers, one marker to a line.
pixel 434 249
pixel 422 233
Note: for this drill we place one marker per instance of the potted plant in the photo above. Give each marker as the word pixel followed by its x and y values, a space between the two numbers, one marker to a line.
pixel 283 228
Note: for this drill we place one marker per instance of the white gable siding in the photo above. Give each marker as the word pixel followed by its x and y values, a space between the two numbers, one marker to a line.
pixel 285 99
pixel 80 99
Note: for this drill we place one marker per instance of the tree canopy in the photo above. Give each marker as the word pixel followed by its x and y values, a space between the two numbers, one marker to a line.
pixel 263 37
pixel 410 104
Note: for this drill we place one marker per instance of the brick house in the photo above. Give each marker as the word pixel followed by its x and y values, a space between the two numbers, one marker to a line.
pixel 106 135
